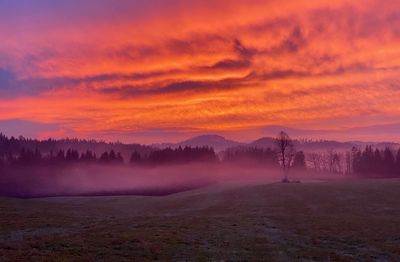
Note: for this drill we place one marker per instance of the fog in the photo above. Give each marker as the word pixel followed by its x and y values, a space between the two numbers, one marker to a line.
pixel 94 180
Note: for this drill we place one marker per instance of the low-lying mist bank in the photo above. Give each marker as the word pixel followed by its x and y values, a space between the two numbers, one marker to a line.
pixel 94 180
pixel 98 180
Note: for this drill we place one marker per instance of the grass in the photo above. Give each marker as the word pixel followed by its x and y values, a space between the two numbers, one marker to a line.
pixel 341 221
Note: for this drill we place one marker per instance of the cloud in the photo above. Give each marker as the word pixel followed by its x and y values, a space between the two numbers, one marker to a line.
pixel 178 87
pixel 214 65
pixel 294 42
pixel 229 64
pixel 6 79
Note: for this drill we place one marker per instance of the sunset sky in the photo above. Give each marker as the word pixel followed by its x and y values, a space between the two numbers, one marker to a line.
pixel 165 70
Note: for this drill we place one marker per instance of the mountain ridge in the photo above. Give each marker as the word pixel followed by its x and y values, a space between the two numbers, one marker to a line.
pixel 220 143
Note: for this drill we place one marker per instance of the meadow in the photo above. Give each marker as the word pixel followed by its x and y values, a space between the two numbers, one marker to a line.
pixel 342 220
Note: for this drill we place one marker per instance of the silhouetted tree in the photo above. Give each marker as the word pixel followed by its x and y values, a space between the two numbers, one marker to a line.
pixel 286 152
pixel 72 156
pixel 112 156
pixel 334 162
pixel 349 163
pixel 398 163
pixel 60 158
pixel 356 157
pixel 315 160
pixel 15 145
pixel 119 159
pixel 377 165
pixel 104 158
pixel 29 157
pixel 181 156
pixel 88 157
pixel 250 155
pixel 299 161
pixel 136 158
pixel 388 161
pixel 374 162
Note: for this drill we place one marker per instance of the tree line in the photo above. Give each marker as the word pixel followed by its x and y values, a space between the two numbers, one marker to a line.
pixel 28 152
pixel 14 146
pixel 28 157
pixel 329 161
pixel 372 162
pixel 263 156
pixel 180 155
pixel 360 162
pixel 367 162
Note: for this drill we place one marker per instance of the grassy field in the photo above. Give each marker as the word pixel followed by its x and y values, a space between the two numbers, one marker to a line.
pixel 346 221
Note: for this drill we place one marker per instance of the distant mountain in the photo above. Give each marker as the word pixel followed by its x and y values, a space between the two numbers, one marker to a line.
pixel 305 145
pixel 296 132
pixel 263 142
pixel 219 143
pixel 388 132
pixel 323 145
pixel 379 145
pixel 215 141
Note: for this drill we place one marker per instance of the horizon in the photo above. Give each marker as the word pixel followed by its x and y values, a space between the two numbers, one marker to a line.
pixel 199 136
pixel 163 71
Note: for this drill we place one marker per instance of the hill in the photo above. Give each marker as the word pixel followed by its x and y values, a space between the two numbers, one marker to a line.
pixel 219 143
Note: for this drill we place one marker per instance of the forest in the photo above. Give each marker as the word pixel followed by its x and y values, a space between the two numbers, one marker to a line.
pixel 22 152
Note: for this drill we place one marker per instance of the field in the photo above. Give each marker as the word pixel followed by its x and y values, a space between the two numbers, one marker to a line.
pixel 337 220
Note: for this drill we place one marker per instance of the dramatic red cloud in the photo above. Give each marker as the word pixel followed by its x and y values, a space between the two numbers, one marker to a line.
pixel 163 70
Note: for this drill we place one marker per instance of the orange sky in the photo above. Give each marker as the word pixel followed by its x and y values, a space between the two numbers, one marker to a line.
pixel 164 70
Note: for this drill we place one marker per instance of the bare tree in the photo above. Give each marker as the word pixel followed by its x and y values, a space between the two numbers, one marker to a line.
pixel 349 163
pixel 315 161
pixel 330 161
pixel 286 152
pixel 337 163
pixel 333 160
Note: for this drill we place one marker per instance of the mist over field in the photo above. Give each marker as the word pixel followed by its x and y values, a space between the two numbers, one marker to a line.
pixel 116 180
pixel 81 180
pixel 39 168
